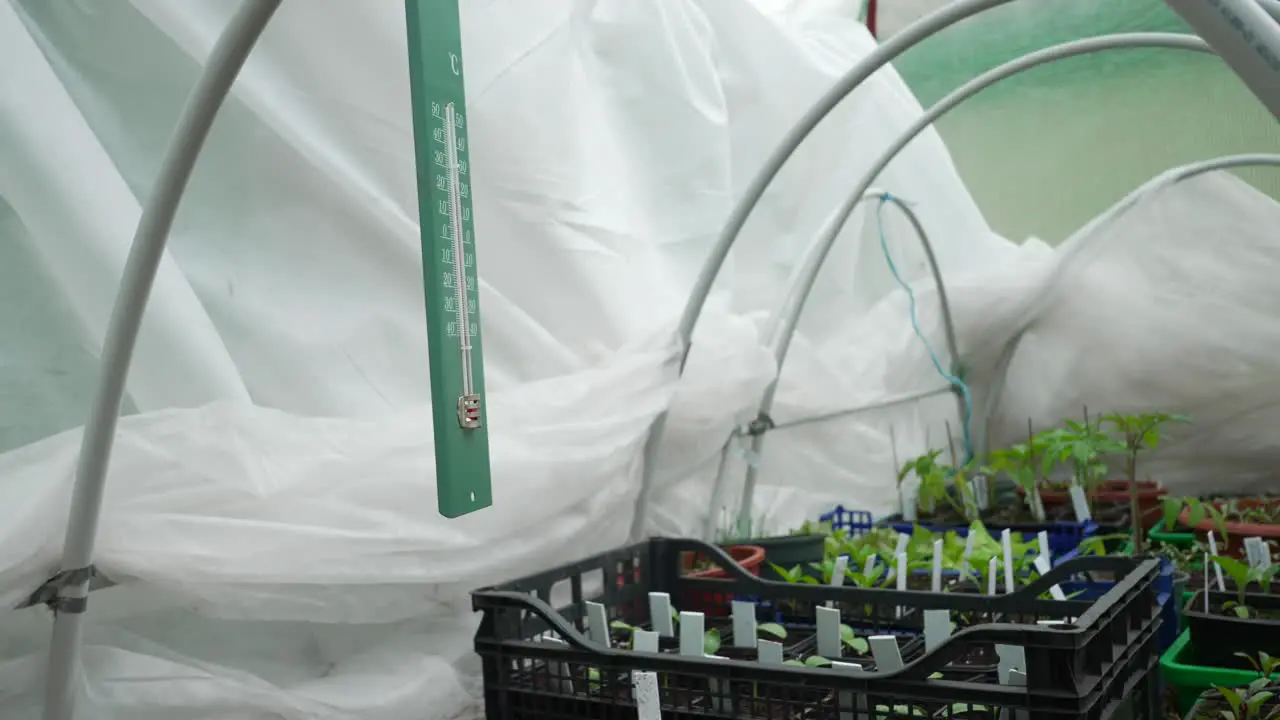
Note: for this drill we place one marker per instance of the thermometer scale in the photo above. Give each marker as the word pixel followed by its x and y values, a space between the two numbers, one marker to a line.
pixel 448 257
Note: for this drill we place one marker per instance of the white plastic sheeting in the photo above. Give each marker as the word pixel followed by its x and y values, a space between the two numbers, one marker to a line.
pixel 271 510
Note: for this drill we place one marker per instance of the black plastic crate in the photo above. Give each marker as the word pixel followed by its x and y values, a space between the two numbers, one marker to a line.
pixel 539 663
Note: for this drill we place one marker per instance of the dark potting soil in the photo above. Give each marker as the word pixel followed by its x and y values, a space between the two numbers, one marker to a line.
pixel 1195 581
pixel 1009 514
pixel 980 656
pixel 1254 614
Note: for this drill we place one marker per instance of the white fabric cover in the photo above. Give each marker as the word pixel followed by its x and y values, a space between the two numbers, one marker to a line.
pixel 271 510
pixel 271 506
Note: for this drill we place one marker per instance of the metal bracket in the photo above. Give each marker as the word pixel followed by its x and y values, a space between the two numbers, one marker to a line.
pixel 469 412
pixel 49 595
pixel 761 425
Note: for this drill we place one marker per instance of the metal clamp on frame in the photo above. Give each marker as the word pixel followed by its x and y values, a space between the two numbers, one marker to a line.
pixel 761 425
pixel 50 593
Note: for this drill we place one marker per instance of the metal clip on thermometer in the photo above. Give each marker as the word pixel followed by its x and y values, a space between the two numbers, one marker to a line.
pixel 463 482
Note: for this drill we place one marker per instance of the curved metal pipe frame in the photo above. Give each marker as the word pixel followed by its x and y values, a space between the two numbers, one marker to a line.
pixel 773 331
pixel 885 53
pixel 1073 247
pixel 783 328
pixel 954 100
pixel 823 244
pixel 70 589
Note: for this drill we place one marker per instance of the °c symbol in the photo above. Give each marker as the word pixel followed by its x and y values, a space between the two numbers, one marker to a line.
pixel 453 63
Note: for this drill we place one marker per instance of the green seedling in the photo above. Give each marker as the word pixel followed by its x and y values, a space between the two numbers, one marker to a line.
pixel 710 639
pixel 1243 574
pixel 1096 546
pixel 1246 703
pixel 1139 432
pixel 852 641
pixel 1084 448
pixel 1019 463
pixel 932 479
pixel 773 630
pixel 1197 511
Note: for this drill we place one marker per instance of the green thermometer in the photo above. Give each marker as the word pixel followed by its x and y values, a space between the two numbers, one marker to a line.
pixel 448 257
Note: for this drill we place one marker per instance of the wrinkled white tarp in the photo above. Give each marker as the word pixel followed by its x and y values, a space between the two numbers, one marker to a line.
pixel 285 557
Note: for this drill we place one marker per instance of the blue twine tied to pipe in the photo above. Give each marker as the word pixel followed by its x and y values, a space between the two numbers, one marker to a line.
pixel 915 324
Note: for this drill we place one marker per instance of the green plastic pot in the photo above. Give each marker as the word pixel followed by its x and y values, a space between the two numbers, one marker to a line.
pixel 1180 671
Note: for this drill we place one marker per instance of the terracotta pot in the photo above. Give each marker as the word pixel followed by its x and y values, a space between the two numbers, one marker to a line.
pixel 750 557
pixel 1116 492
pixel 1236 531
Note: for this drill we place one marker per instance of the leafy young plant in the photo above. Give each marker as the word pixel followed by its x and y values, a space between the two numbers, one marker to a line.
pixel 1243 574
pixel 1084 448
pixel 1197 510
pixel 1139 432
pixel 1018 463
pixel 934 482
pixel 1255 701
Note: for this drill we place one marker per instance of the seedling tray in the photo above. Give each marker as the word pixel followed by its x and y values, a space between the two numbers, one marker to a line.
pixel 1218 637
pixel 1063 537
pixel 539 662
pixel 1168 595
pixel 787 551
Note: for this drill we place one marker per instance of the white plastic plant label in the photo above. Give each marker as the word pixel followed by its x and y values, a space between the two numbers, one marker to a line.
pixel 870 565
pixel 900 579
pixel 598 623
pixel 644 640
pixel 901 547
pixel 1257 552
pixel 1042 567
pixel 991 576
pixel 744 624
pixel 1250 553
pixel 1207 563
pixel 648 701
pixel 1217 569
pixel 980 493
pixel 1006 546
pixel 692 631
pixel 1080 504
pixel 828 632
pixel 1043 540
pixel 886 653
pixel 907 493
pixel 968 553
pixel 937 628
pixel 838 571
pixel 936 584
pixel 1037 506
pixel 769 652
pixel 660 614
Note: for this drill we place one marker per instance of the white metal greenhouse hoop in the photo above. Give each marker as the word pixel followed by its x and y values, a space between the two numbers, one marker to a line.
pixel 1241 45
pixel 1077 240
pixel 788 318
pixel 778 327
pixel 824 243
pixel 815 258
pixel 69 590
pixel 913 34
